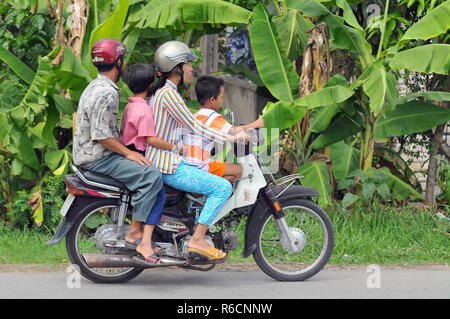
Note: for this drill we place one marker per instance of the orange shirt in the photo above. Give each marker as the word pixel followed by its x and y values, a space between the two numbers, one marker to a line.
pixel 199 147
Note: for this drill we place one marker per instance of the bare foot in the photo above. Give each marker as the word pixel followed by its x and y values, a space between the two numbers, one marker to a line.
pixel 132 236
pixel 136 231
pixel 145 250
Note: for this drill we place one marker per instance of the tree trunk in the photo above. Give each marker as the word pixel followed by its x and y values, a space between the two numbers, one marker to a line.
pixel 430 198
pixel 367 145
pixel 316 71
pixel 437 141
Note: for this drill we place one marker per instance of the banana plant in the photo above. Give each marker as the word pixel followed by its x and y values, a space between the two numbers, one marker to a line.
pixel 367 108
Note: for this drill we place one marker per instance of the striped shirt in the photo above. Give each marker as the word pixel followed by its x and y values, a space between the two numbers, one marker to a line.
pixel 170 115
pixel 198 148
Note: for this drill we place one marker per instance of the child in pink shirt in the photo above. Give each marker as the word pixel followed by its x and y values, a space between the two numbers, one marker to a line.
pixel 137 129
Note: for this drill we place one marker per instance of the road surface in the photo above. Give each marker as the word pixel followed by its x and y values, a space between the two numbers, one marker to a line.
pixel 231 281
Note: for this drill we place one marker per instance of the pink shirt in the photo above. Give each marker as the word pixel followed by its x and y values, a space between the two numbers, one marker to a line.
pixel 137 123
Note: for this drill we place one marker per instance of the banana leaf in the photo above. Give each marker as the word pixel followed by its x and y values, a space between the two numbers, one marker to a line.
pixel 268 58
pixel 366 73
pixel 38 214
pixel 58 161
pixel 282 114
pixel 20 68
pixel 409 118
pixel 400 189
pixel 376 89
pixel 214 12
pixel 292 26
pixel 344 126
pixel 344 159
pixel 429 95
pixel 50 124
pixel 433 24
pixel 326 96
pixel 64 105
pixel 160 14
pixel 316 175
pixel 24 146
pixel 349 17
pixel 321 117
pixel 4 125
pixel 426 59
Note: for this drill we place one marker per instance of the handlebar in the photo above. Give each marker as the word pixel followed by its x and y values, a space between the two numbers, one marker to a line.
pixel 256 138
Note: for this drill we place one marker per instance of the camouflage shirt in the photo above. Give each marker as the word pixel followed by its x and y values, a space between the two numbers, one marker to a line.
pixel 97 119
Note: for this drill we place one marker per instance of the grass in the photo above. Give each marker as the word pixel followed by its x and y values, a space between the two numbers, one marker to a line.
pixel 28 246
pixel 390 236
pixel 384 236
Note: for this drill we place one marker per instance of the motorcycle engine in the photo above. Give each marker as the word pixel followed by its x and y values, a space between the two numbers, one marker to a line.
pixel 230 239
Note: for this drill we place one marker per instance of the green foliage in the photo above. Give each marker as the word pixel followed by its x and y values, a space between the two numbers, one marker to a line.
pixel 25 35
pixel 370 107
pixel 373 186
pixel 444 180
pixel 277 75
pixel 20 212
pixel 11 91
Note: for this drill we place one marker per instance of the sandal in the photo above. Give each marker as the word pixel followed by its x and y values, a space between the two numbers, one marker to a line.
pixel 150 260
pixel 211 252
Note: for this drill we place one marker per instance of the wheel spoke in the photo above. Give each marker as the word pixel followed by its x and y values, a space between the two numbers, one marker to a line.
pixel 306 227
pixel 86 241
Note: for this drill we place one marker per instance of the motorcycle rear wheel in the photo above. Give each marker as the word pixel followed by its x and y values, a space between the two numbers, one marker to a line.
pixel 309 223
pixel 80 240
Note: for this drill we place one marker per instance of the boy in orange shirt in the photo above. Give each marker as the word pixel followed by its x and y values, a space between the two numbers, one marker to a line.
pixel 210 91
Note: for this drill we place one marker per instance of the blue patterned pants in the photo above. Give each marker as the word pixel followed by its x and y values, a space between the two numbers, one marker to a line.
pixel 194 180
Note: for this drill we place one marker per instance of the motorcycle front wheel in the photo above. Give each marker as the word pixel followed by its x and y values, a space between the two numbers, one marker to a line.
pixel 312 229
pixel 81 240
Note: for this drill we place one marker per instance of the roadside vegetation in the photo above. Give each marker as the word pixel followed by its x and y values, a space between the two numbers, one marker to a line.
pixel 385 235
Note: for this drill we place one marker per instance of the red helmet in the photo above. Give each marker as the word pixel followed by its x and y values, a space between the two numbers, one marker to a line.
pixel 106 51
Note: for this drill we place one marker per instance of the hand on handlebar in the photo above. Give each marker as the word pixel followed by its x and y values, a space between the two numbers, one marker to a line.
pixel 241 138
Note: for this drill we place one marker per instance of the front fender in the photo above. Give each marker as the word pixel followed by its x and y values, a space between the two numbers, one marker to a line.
pixel 259 213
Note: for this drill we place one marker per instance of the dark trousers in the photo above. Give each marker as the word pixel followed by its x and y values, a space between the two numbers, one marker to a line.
pixel 145 181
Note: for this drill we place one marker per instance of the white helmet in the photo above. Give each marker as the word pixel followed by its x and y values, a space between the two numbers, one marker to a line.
pixel 172 53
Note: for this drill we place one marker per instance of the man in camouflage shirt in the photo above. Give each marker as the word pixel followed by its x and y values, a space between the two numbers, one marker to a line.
pixel 97 119
pixel 96 144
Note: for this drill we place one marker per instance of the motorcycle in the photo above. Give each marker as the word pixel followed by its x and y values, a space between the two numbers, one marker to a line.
pixel 290 237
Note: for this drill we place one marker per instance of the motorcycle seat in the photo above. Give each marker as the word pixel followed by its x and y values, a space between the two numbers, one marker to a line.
pixel 102 179
pixel 171 190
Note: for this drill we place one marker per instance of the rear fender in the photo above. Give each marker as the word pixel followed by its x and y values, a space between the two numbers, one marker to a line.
pixel 80 205
pixel 260 210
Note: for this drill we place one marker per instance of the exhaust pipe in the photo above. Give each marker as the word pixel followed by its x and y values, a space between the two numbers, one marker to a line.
pixel 112 261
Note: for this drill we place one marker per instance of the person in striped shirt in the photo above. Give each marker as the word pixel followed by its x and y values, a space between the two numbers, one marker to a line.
pixel 137 129
pixel 210 91
pixel 173 60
